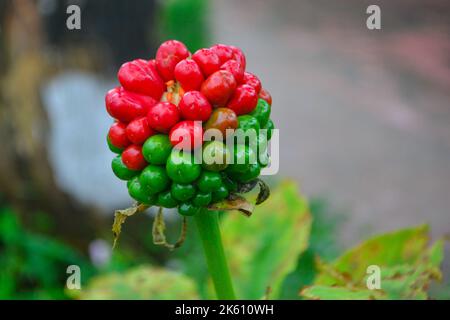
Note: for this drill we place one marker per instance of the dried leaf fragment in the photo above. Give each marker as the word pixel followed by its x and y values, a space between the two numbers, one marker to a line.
pixel 121 215
pixel 264 192
pixel 158 232
pixel 234 202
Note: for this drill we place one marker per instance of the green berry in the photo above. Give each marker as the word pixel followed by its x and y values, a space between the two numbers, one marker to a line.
pixel 181 168
pixel 248 122
pixel 120 169
pixel 182 192
pixel 263 156
pixel 187 209
pixel 209 181
pixel 229 183
pixel 157 149
pixel 166 200
pixel 269 127
pixel 140 194
pixel 219 194
pixel 242 158
pixel 215 156
pixel 262 112
pixel 251 174
pixel 154 179
pixel 202 199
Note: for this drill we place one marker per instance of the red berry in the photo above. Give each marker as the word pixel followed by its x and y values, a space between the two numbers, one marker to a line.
pixel 188 74
pixel 244 100
pixel 168 55
pixel 223 51
pixel 235 68
pixel 132 157
pixel 187 135
pixel 219 87
pixel 239 56
pixel 194 106
pixel 163 116
pixel 138 130
pixel 265 95
pixel 252 80
pixel 118 136
pixel 125 106
pixel 207 60
pixel 140 76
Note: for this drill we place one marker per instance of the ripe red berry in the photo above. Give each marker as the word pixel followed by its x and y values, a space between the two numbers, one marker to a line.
pixel 265 95
pixel 125 106
pixel 244 100
pixel 140 76
pixel 132 157
pixel 188 74
pixel 219 87
pixel 117 135
pixel 194 106
pixel 163 116
pixel 252 80
pixel 168 55
pixel 223 51
pixel 235 68
pixel 187 135
pixel 207 60
pixel 138 130
pixel 152 62
pixel 239 56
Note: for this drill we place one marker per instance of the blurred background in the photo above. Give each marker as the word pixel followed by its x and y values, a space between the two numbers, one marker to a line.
pixel 364 119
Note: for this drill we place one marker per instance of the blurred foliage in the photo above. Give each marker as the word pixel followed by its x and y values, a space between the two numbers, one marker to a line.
pixel 263 249
pixel 322 242
pixel 407 268
pixel 185 20
pixel 33 266
pixel 144 282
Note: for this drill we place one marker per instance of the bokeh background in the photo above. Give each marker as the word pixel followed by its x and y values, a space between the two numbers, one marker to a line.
pixel 364 119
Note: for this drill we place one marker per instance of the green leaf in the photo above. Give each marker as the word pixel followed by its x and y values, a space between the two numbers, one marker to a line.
pixel 263 249
pixel 303 276
pixel 141 283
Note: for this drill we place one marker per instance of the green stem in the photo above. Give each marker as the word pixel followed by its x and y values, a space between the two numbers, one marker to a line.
pixel 209 230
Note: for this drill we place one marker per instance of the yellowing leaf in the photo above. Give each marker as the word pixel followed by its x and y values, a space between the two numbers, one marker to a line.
pixel 404 246
pixel 338 293
pixel 406 267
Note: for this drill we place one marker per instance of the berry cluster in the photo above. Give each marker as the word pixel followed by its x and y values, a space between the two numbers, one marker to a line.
pixel 162 111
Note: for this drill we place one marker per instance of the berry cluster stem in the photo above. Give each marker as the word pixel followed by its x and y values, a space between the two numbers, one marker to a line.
pixel 209 230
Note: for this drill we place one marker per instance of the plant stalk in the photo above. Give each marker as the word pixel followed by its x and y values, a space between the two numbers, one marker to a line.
pixel 209 230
